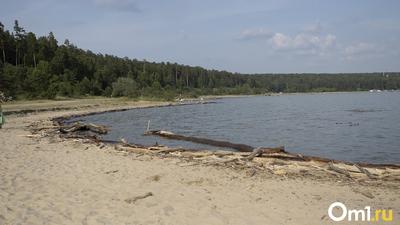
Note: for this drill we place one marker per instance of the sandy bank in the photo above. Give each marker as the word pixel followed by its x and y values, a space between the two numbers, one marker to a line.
pixel 48 180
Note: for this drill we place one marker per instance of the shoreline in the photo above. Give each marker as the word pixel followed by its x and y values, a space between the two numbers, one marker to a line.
pixel 14 107
pixel 272 94
pixel 62 120
pixel 236 193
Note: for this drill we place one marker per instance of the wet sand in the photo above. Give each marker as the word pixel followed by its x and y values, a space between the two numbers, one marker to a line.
pixel 49 180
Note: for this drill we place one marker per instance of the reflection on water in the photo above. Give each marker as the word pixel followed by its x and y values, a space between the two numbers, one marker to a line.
pixel 346 126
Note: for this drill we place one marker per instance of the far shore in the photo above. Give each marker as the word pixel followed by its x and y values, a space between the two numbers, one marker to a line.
pixel 48 179
pixel 21 106
pixel 290 93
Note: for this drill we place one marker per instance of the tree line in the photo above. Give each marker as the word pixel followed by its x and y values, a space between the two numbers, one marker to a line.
pixel 34 67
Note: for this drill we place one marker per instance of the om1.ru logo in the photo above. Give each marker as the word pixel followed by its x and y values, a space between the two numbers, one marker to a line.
pixel 359 214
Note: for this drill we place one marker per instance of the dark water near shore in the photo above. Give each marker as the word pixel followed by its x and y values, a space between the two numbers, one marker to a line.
pixel 358 127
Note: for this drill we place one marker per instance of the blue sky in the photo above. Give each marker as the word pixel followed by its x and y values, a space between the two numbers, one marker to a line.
pixel 252 36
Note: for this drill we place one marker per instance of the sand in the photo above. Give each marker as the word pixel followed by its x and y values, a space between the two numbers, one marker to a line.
pixel 48 180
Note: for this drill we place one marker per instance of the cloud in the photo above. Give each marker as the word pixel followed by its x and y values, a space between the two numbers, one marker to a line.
pixel 362 50
pixel 252 34
pixel 359 48
pixel 307 42
pixel 303 43
pixel 312 42
pixel 118 5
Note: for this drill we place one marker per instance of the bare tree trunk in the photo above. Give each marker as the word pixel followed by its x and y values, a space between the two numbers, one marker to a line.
pixel 34 60
pixel 226 144
pixel 16 56
pixel 4 55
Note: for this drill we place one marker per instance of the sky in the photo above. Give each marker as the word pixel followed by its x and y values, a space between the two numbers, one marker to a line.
pixel 245 36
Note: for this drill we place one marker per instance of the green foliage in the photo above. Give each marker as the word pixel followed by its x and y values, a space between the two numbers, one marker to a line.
pixel 38 67
pixel 125 87
pixel 39 80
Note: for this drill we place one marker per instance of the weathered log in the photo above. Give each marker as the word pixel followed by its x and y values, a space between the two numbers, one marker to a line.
pixel 257 152
pixel 134 199
pixel 79 126
pixel 217 143
pixel 338 170
pixel 127 144
pixel 79 136
pixel 46 127
pixel 365 171
pixel 130 149
pixel 170 150
pixel 280 152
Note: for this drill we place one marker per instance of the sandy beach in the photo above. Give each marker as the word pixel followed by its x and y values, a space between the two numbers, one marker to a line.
pixel 48 180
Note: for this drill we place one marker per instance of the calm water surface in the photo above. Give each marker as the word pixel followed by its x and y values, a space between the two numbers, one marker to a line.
pixel 358 127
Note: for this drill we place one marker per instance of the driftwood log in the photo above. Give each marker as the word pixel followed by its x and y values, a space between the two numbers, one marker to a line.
pixel 332 167
pixel 365 171
pixel 134 199
pixel 127 144
pixel 258 152
pixel 277 152
pixel 224 144
pixel 79 126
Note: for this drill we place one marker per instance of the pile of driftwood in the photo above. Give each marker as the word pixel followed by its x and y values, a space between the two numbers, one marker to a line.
pixel 274 161
pixel 80 126
pixel 82 130
pixel 258 152
pixel 74 128
pixel 246 157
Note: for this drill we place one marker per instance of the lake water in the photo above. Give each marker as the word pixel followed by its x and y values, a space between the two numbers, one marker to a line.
pixel 358 127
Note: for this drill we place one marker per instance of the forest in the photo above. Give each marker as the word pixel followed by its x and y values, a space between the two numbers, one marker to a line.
pixel 34 67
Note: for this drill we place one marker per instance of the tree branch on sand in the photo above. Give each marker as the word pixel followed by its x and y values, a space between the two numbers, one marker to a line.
pixel 79 126
pixel 217 143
